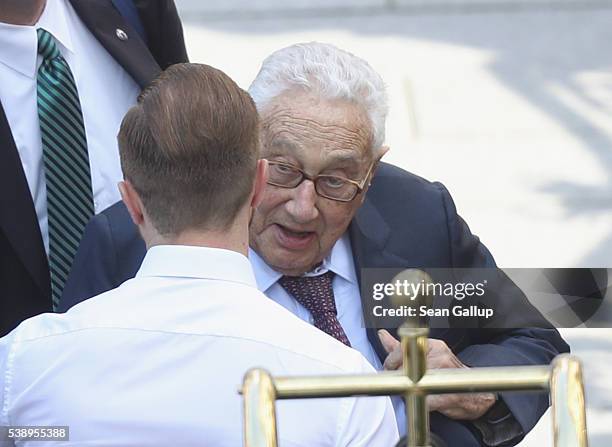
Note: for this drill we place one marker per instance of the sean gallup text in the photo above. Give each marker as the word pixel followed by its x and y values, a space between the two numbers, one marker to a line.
pixel 425 311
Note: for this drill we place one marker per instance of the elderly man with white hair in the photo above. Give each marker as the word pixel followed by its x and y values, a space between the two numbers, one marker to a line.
pixel 331 209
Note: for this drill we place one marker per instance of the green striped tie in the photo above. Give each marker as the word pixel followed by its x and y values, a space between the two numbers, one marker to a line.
pixel 67 176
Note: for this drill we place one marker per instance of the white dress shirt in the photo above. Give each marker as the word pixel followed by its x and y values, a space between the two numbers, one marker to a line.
pixel 106 92
pixel 346 294
pixel 348 303
pixel 158 361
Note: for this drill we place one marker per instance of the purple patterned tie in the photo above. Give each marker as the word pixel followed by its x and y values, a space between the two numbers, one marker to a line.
pixel 316 294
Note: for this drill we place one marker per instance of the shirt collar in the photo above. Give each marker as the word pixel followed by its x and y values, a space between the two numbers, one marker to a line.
pixel 19 43
pixel 265 275
pixel 183 261
pixel 339 261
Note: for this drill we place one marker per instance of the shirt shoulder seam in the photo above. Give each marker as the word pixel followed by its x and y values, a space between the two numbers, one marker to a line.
pixel 32 339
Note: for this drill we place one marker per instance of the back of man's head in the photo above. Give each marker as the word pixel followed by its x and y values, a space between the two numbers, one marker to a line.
pixel 189 148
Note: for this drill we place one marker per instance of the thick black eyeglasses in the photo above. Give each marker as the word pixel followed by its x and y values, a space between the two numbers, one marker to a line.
pixel 331 187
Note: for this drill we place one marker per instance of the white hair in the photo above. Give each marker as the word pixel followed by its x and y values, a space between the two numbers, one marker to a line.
pixel 328 71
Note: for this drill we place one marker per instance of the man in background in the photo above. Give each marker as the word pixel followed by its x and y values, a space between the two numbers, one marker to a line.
pixel 70 70
pixel 158 360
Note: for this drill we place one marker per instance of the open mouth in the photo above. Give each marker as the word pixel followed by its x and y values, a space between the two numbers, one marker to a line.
pixel 293 240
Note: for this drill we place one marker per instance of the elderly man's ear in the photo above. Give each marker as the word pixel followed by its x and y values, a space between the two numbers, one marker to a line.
pixel 259 186
pixel 379 153
pixel 376 156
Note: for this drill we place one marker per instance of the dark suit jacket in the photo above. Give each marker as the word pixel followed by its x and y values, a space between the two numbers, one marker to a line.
pixel 24 273
pixel 405 221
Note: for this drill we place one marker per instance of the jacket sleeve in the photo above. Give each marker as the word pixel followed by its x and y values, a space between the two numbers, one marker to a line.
pixel 529 339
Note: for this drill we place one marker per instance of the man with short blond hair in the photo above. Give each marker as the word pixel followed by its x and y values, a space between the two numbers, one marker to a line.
pixel 158 360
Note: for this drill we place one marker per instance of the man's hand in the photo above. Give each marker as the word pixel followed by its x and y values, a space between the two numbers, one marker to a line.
pixel 439 355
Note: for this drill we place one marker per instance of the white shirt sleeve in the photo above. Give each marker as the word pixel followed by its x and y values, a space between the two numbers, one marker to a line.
pixel 367 421
pixel 5 349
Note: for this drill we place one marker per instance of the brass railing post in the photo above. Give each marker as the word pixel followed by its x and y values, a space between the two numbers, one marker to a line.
pixel 568 405
pixel 414 347
pixel 259 398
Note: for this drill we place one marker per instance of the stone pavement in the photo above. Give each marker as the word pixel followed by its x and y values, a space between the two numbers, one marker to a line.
pixel 510 107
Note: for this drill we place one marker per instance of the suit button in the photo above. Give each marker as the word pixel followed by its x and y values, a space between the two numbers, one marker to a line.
pixel 121 34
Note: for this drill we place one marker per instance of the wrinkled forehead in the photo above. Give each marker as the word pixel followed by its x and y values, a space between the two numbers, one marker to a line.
pixel 314 130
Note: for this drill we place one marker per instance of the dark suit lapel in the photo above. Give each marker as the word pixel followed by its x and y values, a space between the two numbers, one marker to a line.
pixel 370 235
pixel 103 20
pixel 18 218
